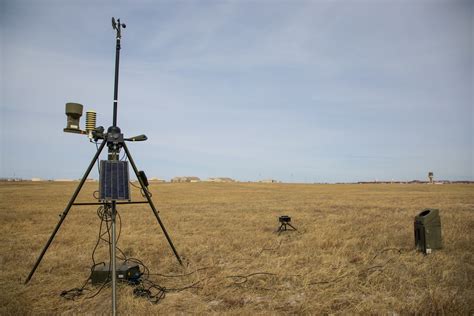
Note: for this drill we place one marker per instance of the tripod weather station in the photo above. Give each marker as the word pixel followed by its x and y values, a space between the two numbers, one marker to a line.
pixel 113 173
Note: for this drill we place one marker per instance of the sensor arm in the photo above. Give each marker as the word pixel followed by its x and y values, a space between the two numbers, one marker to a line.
pixel 74 131
pixel 139 138
pixel 98 133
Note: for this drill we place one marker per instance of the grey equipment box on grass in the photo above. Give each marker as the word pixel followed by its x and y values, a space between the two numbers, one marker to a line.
pixel 428 231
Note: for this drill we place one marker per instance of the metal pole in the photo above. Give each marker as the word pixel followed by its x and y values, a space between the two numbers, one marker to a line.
pixel 114 156
pixel 117 60
pixel 151 203
pixel 114 268
pixel 66 210
pixel 114 152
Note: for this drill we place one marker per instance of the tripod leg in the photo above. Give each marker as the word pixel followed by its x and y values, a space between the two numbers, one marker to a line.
pixel 280 229
pixel 66 210
pixel 145 191
pixel 292 226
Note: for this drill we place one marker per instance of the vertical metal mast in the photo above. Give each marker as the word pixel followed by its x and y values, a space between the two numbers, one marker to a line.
pixel 118 27
pixel 113 155
pixel 114 265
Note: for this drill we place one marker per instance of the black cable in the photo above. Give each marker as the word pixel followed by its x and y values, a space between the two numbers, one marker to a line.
pixel 142 192
pixel 104 214
pixel 180 275
pixel 72 294
pixel 98 164
pixel 155 292
pixel 136 186
pixel 98 239
pixel 144 287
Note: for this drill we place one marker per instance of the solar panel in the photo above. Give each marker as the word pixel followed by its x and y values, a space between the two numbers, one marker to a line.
pixel 113 180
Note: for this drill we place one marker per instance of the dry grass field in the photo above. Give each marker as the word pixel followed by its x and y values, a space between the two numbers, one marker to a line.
pixel 353 252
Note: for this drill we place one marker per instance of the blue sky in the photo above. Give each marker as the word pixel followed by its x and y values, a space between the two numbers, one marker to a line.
pixel 298 91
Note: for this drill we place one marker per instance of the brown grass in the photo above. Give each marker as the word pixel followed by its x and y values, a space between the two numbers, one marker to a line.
pixel 353 252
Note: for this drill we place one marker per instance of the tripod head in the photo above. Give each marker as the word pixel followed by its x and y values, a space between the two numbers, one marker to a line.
pixel 114 132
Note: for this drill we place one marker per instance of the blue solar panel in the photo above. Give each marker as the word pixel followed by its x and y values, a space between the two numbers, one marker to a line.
pixel 113 180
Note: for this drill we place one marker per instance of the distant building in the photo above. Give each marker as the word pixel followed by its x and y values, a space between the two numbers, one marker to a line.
pixel 417 182
pixel 221 179
pixel 268 181
pixel 155 179
pixel 185 179
pixel 36 179
pixel 63 180
pixel 13 179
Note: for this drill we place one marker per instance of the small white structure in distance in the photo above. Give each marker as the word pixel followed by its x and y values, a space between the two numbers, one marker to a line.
pixel 268 181
pixel 155 179
pixel 185 179
pixel 220 179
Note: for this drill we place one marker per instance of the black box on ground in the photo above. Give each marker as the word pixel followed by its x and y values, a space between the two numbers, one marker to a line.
pixel 129 272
